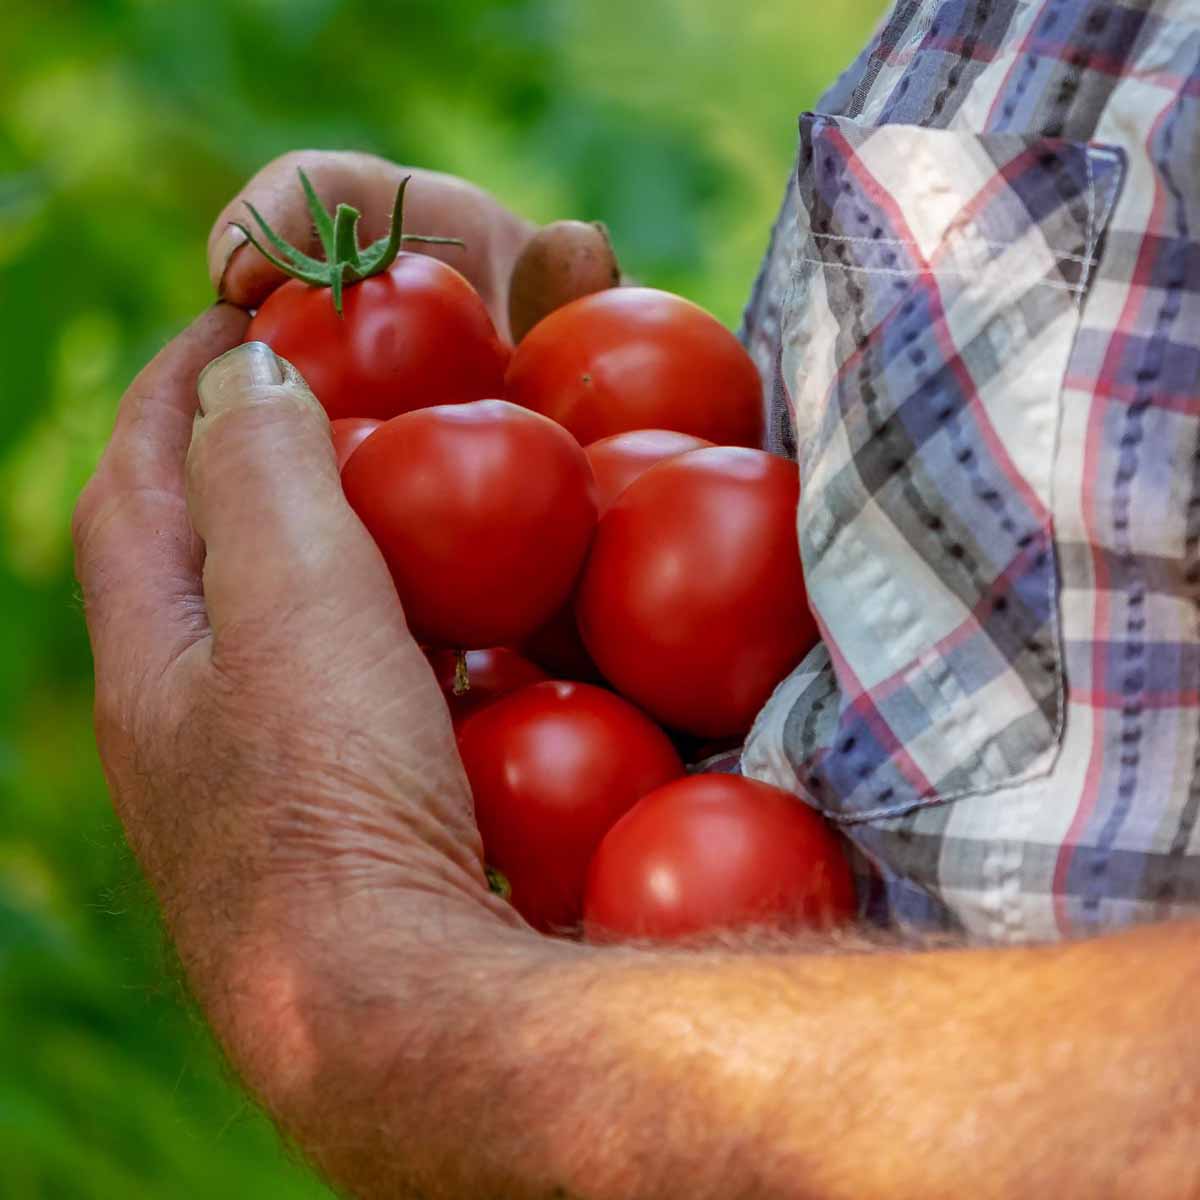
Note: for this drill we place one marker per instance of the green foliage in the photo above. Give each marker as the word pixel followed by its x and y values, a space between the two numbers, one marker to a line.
pixel 124 127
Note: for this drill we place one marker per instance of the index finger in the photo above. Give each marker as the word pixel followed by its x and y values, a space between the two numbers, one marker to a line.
pixel 239 273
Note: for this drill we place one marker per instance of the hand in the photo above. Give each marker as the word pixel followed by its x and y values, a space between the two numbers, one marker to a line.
pixel 271 733
pixel 437 205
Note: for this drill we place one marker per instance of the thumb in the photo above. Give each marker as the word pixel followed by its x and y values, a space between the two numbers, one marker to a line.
pixel 265 496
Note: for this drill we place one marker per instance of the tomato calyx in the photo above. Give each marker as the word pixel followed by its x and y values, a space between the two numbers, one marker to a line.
pixel 462 674
pixel 345 262
pixel 498 883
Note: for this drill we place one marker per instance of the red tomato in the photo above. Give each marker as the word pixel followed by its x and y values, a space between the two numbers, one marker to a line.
pixel 692 602
pixel 558 648
pixel 714 852
pixel 484 513
pixel 415 335
pixel 552 767
pixel 697 752
pixel 618 460
pixel 493 673
pixel 349 433
pixel 636 358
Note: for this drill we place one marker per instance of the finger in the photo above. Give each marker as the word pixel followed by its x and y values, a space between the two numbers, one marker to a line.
pixel 435 205
pixel 281 543
pixel 136 559
pixel 243 276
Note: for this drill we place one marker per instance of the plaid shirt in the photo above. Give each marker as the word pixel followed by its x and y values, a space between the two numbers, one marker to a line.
pixel 979 323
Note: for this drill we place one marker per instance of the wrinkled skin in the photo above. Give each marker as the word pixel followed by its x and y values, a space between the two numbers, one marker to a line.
pixel 212 678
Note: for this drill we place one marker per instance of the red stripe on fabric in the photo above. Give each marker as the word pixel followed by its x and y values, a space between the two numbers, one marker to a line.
pixel 998 181
pixel 971 624
pixel 1091 787
pixel 1187 403
pixel 1018 61
pixel 950 354
pixel 862 704
pixel 878 194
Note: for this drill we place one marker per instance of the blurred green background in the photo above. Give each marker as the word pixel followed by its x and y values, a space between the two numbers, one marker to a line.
pixel 125 125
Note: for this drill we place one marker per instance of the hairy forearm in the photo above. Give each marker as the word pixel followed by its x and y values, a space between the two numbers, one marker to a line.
pixel 463 1058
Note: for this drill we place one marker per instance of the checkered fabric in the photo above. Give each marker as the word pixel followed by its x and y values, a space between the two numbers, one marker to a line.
pixel 979 327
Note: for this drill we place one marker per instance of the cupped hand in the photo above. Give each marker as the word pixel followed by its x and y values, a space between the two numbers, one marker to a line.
pixel 271 733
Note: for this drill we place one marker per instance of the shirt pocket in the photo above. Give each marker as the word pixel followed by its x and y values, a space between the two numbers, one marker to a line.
pixel 937 282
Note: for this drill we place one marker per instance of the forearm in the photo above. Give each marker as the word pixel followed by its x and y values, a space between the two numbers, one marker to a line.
pixel 465 1059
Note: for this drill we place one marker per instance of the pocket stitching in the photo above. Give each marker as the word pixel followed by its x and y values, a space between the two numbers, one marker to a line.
pixel 939 273
pixel 836 237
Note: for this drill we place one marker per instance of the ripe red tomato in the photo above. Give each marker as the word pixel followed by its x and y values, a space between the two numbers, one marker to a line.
pixel 349 433
pixel 552 767
pixel 714 852
pixel 492 673
pixel 618 460
pixel 558 648
pixel 692 602
pixel 636 358
pixel 484 513
pixel 415 335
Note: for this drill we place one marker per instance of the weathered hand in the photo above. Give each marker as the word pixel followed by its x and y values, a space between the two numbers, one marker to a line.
pixel 269 728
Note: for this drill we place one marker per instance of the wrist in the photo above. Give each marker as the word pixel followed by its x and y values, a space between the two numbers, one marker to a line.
pixel 365 1026
pixel 323 981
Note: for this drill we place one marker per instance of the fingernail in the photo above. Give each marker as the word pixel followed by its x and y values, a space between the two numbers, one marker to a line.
pixel 227 381
pixel 230 239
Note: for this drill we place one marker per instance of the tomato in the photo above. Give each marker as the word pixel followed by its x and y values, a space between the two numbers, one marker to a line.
pixel 695 751
pixel 558 648
pixel 552 767
pixel 692 602
pixel 636 358
pixel 618 460
pixel 714 852
pixel 349 433
pixel 492 673
pixel 483 512
pixel 416 335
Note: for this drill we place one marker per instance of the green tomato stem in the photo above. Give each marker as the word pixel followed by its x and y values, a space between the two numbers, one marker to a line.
pixel 344 262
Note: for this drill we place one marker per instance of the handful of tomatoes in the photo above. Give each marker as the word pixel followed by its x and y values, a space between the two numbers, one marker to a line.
pixel 600 562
